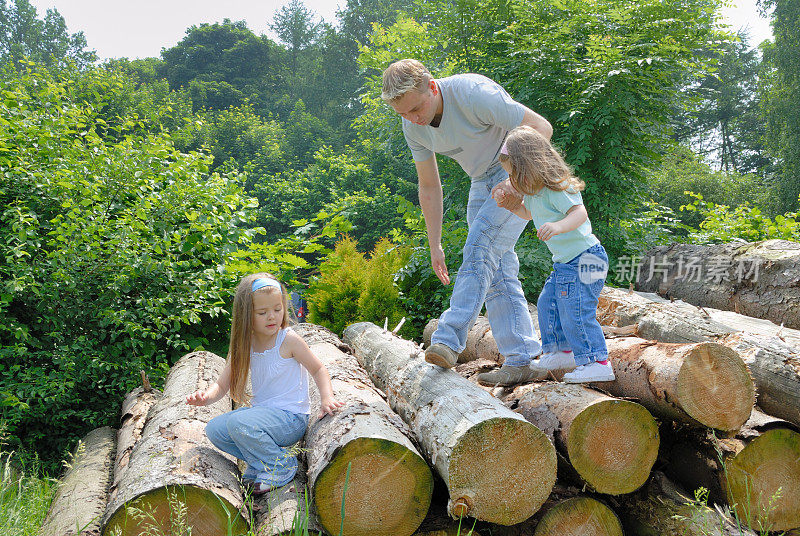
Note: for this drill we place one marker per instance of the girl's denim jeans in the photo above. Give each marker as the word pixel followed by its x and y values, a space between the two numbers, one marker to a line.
pixel 489 273
pixel 567 307
pixel 259 436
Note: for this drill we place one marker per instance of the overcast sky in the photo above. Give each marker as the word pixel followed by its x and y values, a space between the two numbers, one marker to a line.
pixel 117 28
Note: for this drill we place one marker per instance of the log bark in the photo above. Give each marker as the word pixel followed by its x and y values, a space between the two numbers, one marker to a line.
pixel 773 362
pixel 700 384
pixel 611 443
pixel 661 508
pixel 497 466
pixel 480 341
pixel 176 480
pixel 746 471
pixel 581 515
pixel 133 417
pixel 281 512
pixel 726 280
pixel 366 445
pixel 82 493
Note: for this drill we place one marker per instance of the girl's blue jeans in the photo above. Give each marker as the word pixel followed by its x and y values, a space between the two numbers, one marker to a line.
pixel 567 307
pixel 489 273
pixel 260 436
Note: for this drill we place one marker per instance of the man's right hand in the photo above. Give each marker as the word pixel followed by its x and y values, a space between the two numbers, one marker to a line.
pixel 439 266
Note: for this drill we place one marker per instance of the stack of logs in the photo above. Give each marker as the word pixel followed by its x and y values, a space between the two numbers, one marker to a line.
pixel 543 458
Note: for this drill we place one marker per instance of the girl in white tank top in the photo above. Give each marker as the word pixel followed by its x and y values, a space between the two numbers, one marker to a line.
pixel 278 362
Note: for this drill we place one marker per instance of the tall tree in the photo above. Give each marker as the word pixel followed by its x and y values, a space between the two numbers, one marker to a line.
pixel 781 95
pixel 296 28
pixel 24 35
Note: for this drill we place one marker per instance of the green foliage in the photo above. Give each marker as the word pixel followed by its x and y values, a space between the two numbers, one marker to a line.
pixel 352 288
pixel 745 222
pixel 24 494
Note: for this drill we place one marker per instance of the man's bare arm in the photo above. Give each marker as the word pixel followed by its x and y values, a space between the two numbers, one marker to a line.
pixel 430 199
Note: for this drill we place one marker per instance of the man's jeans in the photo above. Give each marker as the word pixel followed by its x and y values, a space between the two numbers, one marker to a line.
pixel 489 273
pixel 567 307
pixel 259 436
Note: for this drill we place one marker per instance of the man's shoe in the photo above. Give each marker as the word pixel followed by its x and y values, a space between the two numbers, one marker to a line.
pixel 441 355
pixel 509 375
pixel 593 372
pixel 555 361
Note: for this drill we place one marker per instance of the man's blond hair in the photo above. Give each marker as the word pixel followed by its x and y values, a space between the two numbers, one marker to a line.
pixel 403 76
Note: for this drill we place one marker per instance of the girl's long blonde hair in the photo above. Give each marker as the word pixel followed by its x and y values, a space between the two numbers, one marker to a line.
pixel 242 330
pixel 536 164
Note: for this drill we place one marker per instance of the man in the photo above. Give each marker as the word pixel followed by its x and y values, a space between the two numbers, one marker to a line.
pixel 467 118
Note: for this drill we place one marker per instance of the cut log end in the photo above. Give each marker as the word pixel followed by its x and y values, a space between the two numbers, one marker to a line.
pixel 496 456
pixel 376 466
pixel 613 445
pixel 176 510
pixel 579 516
pixel 763 481
pixel 715 387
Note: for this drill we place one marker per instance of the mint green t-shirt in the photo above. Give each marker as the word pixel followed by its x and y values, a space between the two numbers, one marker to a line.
pixel 550 206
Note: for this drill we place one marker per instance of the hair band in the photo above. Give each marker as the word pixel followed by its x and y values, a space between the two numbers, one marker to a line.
pixel 262 282
pixel 504 149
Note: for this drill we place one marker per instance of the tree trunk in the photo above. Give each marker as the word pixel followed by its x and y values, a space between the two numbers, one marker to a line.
pixel 82 493
pixel 747 471
pixel 761 279
pixel 704 383
pixel 611 443
pixel 176 480
pixel 581 515
pixel 281 512
pixel 135 408
pixel 773 362
pixel 366 447
pixel 480 341
pixel 497 466
pixel 663 509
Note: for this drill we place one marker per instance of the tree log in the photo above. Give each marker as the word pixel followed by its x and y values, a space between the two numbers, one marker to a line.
pixel 745 471
pixel 701 384
pixel 774 363
pixel 480 341
pixel 82 493
pixel 726 278
pixel 497 466
pixel 581 515
pixel 133 417
pixel 176 480
pixel 661 508
pixel 281 512
pixel 389 485
pixel 611 443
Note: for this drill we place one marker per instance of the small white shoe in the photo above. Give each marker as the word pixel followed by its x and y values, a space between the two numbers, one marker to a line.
pixel 555 361
pixel 593 372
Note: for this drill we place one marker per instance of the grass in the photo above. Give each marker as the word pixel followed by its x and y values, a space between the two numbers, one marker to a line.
pixel 24 497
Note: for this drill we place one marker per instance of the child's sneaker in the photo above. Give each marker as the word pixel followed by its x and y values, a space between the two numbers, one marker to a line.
pixel 555 361
pixel 598 371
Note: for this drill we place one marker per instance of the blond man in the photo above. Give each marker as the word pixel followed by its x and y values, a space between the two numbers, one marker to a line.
pixel 467 117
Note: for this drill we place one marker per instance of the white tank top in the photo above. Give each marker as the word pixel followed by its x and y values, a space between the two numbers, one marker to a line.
pixel 278 382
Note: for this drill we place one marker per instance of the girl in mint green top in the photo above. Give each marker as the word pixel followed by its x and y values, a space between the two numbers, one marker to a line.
pixel 567 307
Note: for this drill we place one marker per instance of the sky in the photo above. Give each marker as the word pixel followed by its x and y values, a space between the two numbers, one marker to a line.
pixel 140 29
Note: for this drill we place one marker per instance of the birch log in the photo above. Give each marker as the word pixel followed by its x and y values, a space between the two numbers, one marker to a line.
pixel 757 472
pixel 497 466
pixel 367 445
pixel 582 516
pixel 82 493
pixel 760 279
pixel 611 443
pixel 773 362
pixel 176 480
pixel 700 384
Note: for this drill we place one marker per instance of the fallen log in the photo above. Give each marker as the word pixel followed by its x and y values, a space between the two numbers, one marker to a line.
pixel 773 363
pixel 661 508
pixel 703 384
pixel 580 515
pixel 760 279
pixel 480 448
pixel 757 472
pixel 363 455
pixel 480 341
pixel 82 493
pixel 175 480
pixel 286 511
pixel 135 408
pixel 612 444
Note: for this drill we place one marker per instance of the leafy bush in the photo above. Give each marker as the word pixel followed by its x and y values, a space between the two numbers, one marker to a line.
pixel 352 288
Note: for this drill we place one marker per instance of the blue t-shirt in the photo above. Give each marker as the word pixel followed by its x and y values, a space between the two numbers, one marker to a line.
pixel 551 206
